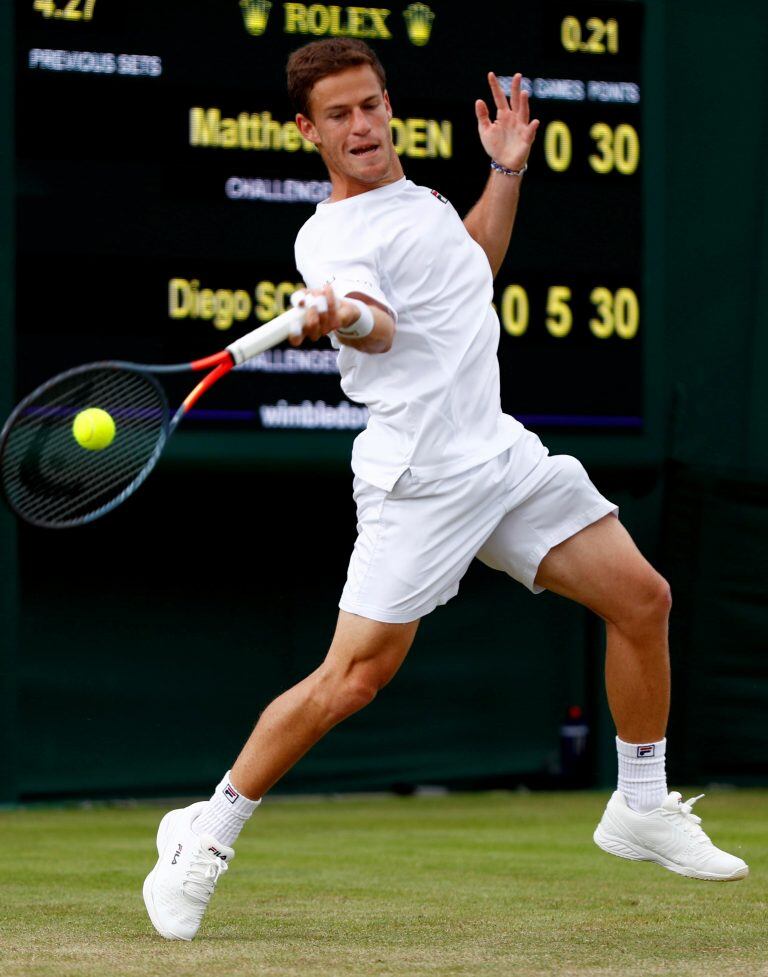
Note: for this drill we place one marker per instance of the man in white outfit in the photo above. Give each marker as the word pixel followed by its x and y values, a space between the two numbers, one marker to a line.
pixel 403 287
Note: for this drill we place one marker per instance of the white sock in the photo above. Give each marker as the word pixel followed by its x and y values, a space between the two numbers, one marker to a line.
pixel 642 774
pixel 225 814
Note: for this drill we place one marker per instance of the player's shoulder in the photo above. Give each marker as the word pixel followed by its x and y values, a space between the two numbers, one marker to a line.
pixel 411 192
pixel 410 189
pixel 436 195
pixel 307 232
pixel 424 207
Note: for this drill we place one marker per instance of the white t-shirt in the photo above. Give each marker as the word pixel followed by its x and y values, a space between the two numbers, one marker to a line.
pixel 434 396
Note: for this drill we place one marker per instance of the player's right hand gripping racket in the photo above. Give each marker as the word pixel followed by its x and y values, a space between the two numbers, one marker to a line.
pixel 49 479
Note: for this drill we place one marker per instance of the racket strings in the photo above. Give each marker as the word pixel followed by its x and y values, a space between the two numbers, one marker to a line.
pixel 52 480
pixel 55 478
pixel 109 465
pixel 109 486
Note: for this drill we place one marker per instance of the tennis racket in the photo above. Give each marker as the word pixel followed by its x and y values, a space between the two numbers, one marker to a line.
pixel 49 479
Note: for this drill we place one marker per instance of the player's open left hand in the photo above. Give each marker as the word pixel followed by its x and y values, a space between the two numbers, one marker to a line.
pixel 507 139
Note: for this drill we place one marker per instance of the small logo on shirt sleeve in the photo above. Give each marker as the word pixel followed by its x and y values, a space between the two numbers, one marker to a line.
pixel 440 197
pixel 649 750
pixel 230 793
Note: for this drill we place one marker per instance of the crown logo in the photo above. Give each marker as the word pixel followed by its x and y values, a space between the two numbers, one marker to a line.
pixel 255 15
pixel 418 20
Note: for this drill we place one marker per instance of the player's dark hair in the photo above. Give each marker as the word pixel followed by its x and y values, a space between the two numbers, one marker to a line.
pixel 307 65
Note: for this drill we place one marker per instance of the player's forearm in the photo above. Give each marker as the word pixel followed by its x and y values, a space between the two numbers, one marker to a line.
pixel 491 220
pixel 379 340
pixel 328 314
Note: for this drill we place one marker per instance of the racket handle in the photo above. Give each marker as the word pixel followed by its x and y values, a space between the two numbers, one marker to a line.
pixel 271 334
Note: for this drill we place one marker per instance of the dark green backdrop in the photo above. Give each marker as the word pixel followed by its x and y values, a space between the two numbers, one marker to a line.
pixel 141 672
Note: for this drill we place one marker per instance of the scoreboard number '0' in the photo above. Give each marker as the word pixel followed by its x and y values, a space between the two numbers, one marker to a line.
pixel 616 148
pixel 617 313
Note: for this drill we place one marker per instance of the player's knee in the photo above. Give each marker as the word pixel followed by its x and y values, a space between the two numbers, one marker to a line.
pixel 343 694
pixel 358 693
pixel 658 596
pixel 664 595
pixel 650 604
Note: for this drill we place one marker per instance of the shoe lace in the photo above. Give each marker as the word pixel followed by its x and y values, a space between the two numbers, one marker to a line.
pixel 202 875
pixel 690 821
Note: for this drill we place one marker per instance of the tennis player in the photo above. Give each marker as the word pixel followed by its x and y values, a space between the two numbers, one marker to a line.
pixel 403 287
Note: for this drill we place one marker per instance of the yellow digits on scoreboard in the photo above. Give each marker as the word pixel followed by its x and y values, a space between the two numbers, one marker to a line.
pixel 617 149
pixel 559 315
pixel 573 39
pixel 558 146
pixel 70 11
pixel 514 309
pixel 618 313
pixel 603 299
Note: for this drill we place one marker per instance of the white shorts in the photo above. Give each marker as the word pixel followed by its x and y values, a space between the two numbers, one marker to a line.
pixel 416 542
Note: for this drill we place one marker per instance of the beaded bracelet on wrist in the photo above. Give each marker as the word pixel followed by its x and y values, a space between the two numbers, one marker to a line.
pixel 507 172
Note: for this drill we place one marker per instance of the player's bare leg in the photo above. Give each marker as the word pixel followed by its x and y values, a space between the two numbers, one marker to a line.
pixel 194 844
pixel 364 656
pixel 602 568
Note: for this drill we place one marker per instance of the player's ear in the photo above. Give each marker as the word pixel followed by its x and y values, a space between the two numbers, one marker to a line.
pixel 387 104
pixel 308 129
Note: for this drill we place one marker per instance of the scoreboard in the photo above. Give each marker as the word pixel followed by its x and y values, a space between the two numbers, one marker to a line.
pixel 161 181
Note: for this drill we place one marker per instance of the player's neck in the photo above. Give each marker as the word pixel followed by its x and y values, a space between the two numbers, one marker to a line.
pixel 344 186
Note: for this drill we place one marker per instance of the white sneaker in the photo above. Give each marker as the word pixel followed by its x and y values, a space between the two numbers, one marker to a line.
pixel 179 887
pixel 669 835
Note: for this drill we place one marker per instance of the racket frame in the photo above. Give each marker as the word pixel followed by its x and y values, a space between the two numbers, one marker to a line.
pixel 264 337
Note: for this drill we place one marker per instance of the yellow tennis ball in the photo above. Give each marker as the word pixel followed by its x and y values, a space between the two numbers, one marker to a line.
pixel 93 429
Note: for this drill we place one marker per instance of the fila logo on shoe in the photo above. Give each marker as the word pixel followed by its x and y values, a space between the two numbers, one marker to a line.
pixel 649 750
pixel 218 853
pixel 176 856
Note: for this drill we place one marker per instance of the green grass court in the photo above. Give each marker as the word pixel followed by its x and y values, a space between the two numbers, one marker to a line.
pixel 443 885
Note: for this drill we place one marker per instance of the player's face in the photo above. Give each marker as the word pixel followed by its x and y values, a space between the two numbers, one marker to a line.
pixel 350 127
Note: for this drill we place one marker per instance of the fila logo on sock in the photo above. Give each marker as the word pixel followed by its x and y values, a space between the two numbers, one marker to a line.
pixel 231 794
pixel 649 750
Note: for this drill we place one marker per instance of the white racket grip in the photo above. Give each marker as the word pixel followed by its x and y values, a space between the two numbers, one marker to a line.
pixel 271 334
